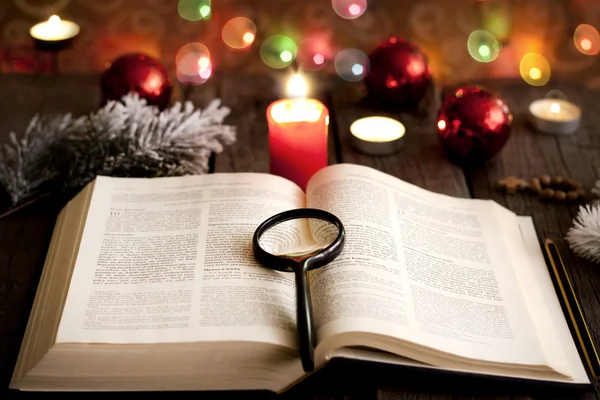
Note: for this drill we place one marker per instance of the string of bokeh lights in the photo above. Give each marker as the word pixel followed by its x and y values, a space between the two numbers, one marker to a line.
pixel 534 68
pixel 194 65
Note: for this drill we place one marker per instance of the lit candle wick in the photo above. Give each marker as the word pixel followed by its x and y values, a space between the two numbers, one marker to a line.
pixel 54 20
pixel 297 107
pixel 554 108
pixel 297 86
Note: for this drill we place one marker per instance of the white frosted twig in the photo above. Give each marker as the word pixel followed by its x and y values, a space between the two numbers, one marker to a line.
pixel 584 235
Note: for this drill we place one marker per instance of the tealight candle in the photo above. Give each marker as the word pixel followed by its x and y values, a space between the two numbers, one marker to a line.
pixel 555 116
pixel 297 134
pixel 377 135
pixel 55 31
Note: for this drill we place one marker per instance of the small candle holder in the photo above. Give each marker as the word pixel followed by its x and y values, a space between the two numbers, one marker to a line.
pixel 53 36
pixel 377 135
pixel 557 116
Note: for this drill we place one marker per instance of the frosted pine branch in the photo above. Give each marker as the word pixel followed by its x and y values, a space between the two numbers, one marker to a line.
pixel 30 163
pixel 584 235
pixel 123 138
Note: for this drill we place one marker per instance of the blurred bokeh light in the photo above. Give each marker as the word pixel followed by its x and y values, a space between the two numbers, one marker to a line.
pixel 239 33
pixel 352 65
pixel 483 46
pixel 278 51
pixel 587 39
pixel 193 64
pixel 194 10
pixel 349 9
pixel 535 69
pixel 314 52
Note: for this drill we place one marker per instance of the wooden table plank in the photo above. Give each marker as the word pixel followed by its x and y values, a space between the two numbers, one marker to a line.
pixel 420 161
pixel 479 394
pixel 248 97
pixel 20 98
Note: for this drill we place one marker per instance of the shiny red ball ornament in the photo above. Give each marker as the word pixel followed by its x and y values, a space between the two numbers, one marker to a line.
pixel 473 125
pixel 399 74
pixel 137 73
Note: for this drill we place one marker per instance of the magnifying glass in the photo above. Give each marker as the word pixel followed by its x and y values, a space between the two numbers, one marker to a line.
pixel 289 248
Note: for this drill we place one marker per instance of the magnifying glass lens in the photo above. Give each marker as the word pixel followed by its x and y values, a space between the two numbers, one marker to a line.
pixel 298 238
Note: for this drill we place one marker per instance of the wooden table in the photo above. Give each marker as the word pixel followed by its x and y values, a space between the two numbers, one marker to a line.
pixel 24 236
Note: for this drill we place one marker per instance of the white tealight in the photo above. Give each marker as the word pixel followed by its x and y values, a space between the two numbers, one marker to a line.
pixel 54 30
pixel 377 135
pixel 555 116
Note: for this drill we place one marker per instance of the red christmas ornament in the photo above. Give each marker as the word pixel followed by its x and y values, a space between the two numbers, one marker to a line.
pixel 473 125
pixel 137 73
pixel 399 75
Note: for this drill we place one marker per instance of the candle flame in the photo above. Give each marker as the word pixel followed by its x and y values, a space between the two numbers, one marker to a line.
pixel 377 129
pixel 54 20
pixel 297 86
pixel 554 108
pixel 54 29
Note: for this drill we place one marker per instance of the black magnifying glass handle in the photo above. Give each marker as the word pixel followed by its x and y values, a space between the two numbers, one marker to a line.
pixel 304 318
pixel 300 267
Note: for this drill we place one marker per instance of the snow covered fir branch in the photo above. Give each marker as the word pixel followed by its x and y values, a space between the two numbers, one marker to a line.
pixel 123 138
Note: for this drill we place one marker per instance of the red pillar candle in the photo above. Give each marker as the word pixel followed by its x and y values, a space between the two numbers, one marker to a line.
pixel 297 138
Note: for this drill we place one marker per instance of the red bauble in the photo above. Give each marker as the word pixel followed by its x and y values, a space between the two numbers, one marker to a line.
pixel 137 73
pixel 399 74
pixel 473 125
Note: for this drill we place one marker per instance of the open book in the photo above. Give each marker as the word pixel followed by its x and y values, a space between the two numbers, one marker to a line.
pixel 151 284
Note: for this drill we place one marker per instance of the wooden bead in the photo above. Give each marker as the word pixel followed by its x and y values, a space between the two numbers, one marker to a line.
pixel 571 184
pixel 535 185
pixel 545 180
pixel 556 188
pixel 547 193
pixel 560 195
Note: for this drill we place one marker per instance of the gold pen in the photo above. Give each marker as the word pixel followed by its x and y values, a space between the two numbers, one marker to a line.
pixel 573 309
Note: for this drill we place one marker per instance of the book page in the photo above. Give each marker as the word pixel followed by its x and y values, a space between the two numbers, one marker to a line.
pixel 548 316
pixel 544 305
pixel 422 267
pixel 170 260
